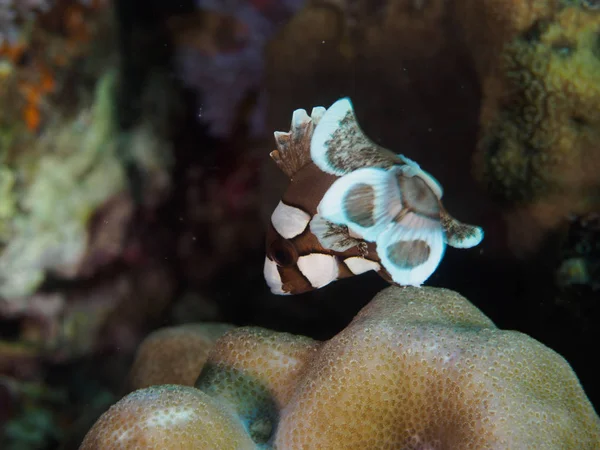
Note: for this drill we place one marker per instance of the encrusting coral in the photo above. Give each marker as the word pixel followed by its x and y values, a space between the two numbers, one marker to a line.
pixel 541 128
pixel 416 368
pixel 539 121
pixel 61 196
pixel 73 169
pixel 41 42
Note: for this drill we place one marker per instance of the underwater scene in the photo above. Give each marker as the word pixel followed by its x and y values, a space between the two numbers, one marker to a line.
pixel 299 224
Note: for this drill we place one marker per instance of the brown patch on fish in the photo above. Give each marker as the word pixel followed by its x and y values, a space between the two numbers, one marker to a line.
pixel 408 254
pixel 418 197
pixel 307 188
pixel 359 204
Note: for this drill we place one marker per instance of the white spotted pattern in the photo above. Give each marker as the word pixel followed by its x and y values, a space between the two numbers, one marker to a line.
pixel 288 221
pixel 272 277
pixel 358 265
pixel 319 269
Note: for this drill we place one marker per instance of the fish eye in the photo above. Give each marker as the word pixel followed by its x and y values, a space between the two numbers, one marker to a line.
pixel 283 253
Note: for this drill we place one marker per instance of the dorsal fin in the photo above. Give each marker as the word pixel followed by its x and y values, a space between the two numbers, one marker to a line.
pixel 293 147
pixel 339 146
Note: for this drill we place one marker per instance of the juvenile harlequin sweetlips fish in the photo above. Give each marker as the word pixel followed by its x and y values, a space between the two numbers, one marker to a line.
pixel 353 206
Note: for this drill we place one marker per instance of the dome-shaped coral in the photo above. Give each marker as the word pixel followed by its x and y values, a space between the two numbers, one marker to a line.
pixel 425 369
pixel 167 417
pixel 417 368
pixel 174 355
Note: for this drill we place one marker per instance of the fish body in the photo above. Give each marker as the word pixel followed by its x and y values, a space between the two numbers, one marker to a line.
pixel 352 207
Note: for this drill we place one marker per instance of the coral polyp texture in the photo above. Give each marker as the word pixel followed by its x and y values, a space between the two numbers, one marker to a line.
pixel 541 124
pixel 416 369
pixel 539 146
pixel 168 416
pixel 174 355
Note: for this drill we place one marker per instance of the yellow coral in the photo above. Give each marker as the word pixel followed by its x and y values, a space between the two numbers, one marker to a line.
pixel 416 368
pixel 487 26
pixel 541 117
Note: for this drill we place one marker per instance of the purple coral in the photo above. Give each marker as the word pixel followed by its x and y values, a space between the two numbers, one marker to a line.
pixel 225 78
